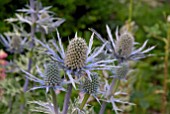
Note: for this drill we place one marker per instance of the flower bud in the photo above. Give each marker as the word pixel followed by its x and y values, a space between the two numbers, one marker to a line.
pixel 91 86
pixel 124 45
pixel 52 75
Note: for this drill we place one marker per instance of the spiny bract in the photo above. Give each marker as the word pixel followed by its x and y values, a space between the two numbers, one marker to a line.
pixel 52 75
pixel 124 45
pixel 122 71
pixel 76 54
pixel 91 86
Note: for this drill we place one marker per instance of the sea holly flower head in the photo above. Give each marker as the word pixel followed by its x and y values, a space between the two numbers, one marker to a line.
pixel 78 58
pixel 91 86
pixel 14 44
pixel 123 48
pixel 50 78
pixel 76 54
pixel 16 41
pixel 124 45
pixel 52 75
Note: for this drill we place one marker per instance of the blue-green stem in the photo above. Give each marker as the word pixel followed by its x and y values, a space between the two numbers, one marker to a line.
pixel 67 98
pixel 166 58
pixel 86 97
pixel 25 88
pixel 54 99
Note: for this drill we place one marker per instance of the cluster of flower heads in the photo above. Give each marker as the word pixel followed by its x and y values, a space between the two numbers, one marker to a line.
pixel 38 18
pixel 123 50
pixel 36 14
pixel 79 61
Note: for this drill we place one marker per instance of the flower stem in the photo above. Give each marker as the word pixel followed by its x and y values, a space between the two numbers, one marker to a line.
pixel 25 88
pixel 166 58
pixel 86 97
pixel 67 98
pixel 54 98
pixel 113 87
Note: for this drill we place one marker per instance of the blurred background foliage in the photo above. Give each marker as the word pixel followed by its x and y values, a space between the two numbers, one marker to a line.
pixel 150 20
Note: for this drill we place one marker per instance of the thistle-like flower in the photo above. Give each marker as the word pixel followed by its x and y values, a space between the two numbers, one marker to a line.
pixel 51 77
pixel 124 45
pixel 91 86
pixel 76 54
pixel 16 41
pixel 78 58
pixel 14 44
pixel 123 48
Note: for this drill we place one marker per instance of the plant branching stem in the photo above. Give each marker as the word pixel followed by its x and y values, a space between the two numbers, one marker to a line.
pixel 86 97
pixel 25 87
pixel 54 98
pixel 166 57
pixel 67 98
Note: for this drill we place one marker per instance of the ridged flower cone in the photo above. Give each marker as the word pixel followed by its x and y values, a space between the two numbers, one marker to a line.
pixel 124 45
pixel 76 54
pixel 91 86
pixel 52 75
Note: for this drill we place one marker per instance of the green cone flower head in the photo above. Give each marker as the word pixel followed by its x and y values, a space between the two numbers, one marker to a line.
pixel 76 54
pixel 52 75
pixel 91 86
pixel 122 71
pixel 124 44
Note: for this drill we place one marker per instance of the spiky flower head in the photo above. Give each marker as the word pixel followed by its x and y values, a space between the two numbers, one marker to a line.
pixel 122 71
pixel 52 75
pixel 91 86
pixel 124 45
pixel 76 54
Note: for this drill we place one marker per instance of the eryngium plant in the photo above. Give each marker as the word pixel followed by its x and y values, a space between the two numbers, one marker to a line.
pixel 50 78
pixel 77 62
pixel 91 86
pixel 123 48
pixel 79 57
pixel 52 75
pixel 15 42
pixel 124 45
